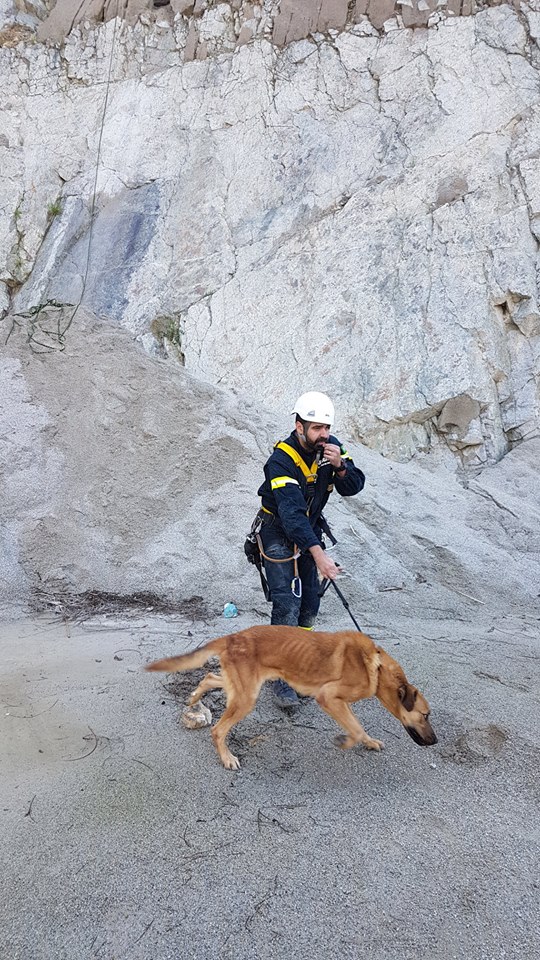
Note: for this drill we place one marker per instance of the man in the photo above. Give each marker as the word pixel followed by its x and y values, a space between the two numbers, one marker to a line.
pixel 299 477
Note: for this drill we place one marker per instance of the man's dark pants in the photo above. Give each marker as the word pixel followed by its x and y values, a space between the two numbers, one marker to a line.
pixel 288 609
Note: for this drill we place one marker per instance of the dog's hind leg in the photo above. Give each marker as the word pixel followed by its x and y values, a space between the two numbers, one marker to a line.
pixel 341 712
pixel 212 681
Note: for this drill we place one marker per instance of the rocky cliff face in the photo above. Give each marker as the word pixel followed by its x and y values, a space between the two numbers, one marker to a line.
pixel 286 198
pixel 271 197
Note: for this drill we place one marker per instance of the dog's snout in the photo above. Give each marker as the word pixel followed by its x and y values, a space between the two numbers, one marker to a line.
pixel 423 740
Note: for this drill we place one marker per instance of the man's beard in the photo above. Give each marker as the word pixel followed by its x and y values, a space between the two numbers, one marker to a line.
pixel 311 445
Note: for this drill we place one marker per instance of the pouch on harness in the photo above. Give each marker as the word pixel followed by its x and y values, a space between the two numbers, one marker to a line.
pixel 253 552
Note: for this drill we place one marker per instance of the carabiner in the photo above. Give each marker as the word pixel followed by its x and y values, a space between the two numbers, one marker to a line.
pixel 296 587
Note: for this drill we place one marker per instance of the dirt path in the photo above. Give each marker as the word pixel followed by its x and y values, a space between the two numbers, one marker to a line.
pixel 124 838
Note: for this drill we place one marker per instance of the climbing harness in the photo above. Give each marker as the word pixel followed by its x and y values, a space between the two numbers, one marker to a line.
pixel 253 546
pixel 254 550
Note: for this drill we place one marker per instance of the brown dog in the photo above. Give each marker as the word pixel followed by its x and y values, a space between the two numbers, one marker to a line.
pixel 335 668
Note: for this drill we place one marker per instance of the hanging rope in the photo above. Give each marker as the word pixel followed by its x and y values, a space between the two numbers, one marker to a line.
pixel 33 314
pixel 62 333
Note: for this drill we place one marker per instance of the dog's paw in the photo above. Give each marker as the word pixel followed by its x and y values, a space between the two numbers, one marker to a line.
pixel 231 762
pixel 372 744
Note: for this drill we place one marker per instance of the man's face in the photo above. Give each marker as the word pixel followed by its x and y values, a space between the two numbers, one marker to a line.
pixel 313 434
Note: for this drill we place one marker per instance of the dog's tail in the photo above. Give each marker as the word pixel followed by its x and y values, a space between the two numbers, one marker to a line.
pixel 189 661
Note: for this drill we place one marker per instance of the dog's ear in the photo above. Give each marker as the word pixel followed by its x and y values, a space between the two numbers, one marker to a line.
pixel 407 695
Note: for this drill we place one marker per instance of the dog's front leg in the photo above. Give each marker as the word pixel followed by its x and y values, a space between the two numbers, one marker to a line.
pixel 341 712
pixel 237 708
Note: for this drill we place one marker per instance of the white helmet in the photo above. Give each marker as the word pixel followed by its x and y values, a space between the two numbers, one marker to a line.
pixel 316 407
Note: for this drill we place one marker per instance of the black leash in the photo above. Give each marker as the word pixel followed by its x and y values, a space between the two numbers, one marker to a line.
pixel 324 587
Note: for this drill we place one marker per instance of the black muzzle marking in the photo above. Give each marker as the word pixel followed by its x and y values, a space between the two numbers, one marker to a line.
pixel 421 741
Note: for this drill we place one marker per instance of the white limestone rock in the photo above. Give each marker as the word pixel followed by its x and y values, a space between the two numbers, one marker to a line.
pixel 361 212
pixel 4 299
pixel 502 28
pixel 196 717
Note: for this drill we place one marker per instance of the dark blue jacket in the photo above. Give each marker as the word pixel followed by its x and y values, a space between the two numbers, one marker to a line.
pixel 297 500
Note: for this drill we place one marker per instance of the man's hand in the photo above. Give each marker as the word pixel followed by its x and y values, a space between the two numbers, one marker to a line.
pixel 332 453
pixel 328 569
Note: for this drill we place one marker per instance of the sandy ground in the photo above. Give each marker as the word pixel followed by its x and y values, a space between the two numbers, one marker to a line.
pixel 124 838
